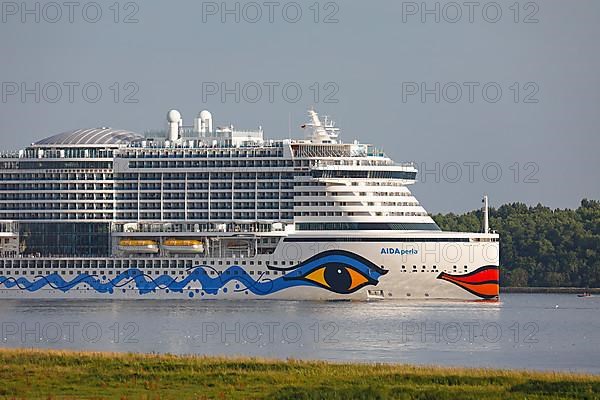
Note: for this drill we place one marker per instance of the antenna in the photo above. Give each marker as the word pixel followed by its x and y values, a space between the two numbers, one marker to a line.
pixel 290 125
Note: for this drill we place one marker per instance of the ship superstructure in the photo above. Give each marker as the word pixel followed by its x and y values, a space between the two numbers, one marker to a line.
pixel 206 211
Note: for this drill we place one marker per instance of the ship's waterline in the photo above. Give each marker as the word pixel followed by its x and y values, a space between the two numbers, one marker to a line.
pixel 201 212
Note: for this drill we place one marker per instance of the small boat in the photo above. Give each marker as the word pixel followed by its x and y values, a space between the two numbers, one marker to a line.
pixel 183 246
pixel 584 294
pixel 138 246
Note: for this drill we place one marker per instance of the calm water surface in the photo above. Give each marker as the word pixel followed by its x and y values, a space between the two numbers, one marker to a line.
pixel 533 331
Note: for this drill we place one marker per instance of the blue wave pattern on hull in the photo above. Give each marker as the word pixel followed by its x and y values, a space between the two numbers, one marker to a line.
pixel 261 286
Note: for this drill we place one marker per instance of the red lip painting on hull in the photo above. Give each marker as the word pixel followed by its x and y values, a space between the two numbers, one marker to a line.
pixel 483 282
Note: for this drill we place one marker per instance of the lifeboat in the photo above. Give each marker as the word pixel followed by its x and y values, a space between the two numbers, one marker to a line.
pixel 183 246
pixel 138 246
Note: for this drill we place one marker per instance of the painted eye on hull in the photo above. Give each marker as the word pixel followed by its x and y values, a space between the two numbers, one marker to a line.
pixel 339 271
pixel 339 278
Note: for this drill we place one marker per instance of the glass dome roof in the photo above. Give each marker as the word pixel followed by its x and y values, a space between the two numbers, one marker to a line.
pixel 95 136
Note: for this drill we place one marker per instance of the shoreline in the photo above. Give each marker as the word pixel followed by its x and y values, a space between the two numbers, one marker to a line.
pixel 559 290
pixel 29 373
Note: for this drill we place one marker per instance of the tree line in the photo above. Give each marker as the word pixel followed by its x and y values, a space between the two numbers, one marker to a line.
pixel 540 246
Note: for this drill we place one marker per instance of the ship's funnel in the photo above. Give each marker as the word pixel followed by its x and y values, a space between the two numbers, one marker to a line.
pixel 486 221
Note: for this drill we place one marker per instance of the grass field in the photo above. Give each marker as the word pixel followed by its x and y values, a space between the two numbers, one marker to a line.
pixel 33 374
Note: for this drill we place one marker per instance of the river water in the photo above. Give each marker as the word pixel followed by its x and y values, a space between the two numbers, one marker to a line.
pixel 524 331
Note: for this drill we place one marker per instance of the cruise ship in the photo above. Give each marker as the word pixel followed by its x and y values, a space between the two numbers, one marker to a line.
pixel 202 211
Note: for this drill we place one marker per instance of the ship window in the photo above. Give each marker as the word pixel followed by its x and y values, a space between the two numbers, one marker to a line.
pixel 157 272
pixel 212 272
pixel 267 273
pixel 251 272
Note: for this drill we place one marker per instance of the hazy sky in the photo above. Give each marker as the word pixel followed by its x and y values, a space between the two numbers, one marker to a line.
pixel 370 63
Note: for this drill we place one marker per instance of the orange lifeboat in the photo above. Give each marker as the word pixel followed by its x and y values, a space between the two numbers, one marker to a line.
pixel 174 245
pixel 139 246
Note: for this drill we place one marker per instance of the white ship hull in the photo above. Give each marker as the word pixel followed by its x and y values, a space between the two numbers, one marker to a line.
pixel 377 270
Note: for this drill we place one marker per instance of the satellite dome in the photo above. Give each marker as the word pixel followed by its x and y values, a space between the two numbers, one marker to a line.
pixel 205 114
pixel 173 116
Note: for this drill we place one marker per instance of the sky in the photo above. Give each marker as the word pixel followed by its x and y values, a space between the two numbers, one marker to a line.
pixel 500 98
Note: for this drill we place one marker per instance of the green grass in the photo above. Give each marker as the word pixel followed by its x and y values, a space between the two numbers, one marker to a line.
pixel 36 374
